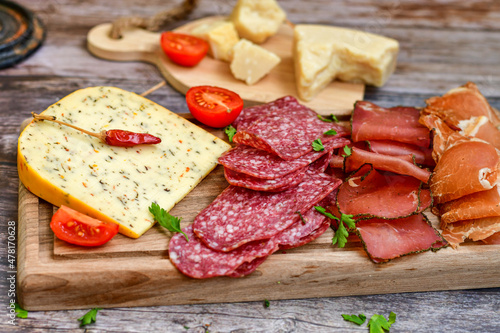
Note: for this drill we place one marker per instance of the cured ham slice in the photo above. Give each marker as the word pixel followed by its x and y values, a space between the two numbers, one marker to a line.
pixel 394 164
pixel 422 155
pixel 288 131
pixel 493 239
pixel 269 185
pixel 238 215
pixel 465 168
pixel 261 164
pixel 368 193
pixel 372 122
pixel 388 239
pixel 473 206
pixel 461 104
pixel 477 229
pixel 481 128
pixel 443 137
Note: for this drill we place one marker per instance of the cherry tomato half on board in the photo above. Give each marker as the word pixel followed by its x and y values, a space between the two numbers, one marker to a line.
pixel 184 50
pixel 214 106
pixel 79 229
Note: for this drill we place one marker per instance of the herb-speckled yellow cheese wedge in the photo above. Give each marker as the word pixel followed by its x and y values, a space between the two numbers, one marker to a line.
pixel 116 184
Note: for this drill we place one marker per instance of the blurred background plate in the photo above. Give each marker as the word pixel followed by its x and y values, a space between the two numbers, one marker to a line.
pixel 21 33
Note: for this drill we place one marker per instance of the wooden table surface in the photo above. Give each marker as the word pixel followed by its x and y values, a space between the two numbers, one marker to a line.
pixel 444 44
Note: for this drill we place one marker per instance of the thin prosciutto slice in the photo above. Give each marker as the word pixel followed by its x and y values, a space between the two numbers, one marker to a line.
pixel 493 239
pixel 394 164
pixel 369 193
pixel 481 128
pixel 460 104
pixel 384 240
pixel 372 122
pixel 473 206
pixel 477 229
pixel 465 168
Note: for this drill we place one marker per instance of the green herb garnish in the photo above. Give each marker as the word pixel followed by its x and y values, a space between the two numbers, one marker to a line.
pixel 330 132
pixel 301 217
pixel 347 151
pixel 378 323
pixel 318 145
pixel 358 320
pixel 328 119
pixel 89 318
pixel 166 220
pixel 266 303
pixel 20 312
pixel 341 234
pixel 230 131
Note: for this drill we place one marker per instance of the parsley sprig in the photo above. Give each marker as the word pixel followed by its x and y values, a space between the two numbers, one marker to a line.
pixel 377 323
pixel 341 234
pixel 328 119
pixel 89 318
pixel 330 132
pixel 230 131
pixel 20 312
pixel 358 320
pixel 347 151
pixel 166 220
pixel 318 145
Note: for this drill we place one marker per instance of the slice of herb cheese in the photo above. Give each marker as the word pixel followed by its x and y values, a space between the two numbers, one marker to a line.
pixel 66 167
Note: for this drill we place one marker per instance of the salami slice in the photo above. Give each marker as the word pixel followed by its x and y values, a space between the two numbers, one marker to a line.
pixel 238 215
pixel 251 114
pixel 288 132
pixel 262 164
pixel 269 185
pixel 196 260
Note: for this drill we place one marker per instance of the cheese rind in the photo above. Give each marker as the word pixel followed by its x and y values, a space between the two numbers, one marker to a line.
pixel 114 184
pixel 257 20
pixel 221 35
pixel 324 53
pixel 252 62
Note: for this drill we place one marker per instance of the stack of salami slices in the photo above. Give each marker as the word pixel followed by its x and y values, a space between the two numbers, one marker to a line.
pixel 276 180
pixel 386 190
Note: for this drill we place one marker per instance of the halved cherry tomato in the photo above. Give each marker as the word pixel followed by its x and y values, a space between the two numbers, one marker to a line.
pixel 182 49
pixel 214 106
pixel 79 229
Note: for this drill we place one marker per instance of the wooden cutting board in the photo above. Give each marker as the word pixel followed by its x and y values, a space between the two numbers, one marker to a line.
pixel 53 275
pixel 141 45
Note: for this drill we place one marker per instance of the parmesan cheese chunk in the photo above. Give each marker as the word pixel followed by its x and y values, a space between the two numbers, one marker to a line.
pixel 324 53
pixel 252 62
pixel 256 20
pixel 115 184
pixel 220 35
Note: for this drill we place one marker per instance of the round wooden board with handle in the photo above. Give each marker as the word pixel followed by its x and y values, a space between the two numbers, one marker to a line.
pixel 141 45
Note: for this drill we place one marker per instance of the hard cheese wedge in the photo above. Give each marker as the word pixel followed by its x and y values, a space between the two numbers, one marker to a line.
pixel 116 184
pixel 323 53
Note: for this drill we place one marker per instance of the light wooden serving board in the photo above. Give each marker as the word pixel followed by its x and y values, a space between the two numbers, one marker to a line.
pixel 54 275
pixel 141 45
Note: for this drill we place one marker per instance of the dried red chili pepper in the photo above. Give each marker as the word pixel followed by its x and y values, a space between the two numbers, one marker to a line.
pixel 114 137
pixel 128 139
